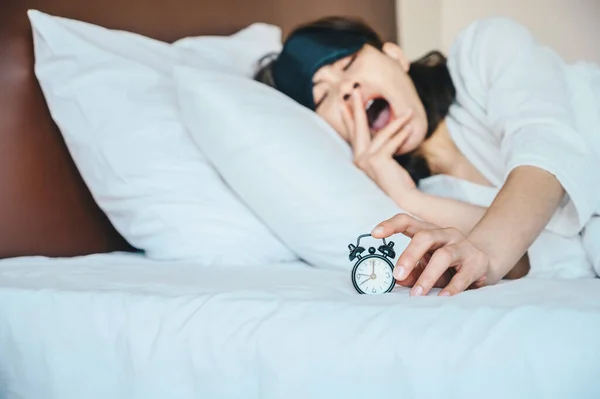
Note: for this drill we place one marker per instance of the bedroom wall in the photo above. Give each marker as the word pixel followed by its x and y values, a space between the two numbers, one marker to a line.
pixel 571 27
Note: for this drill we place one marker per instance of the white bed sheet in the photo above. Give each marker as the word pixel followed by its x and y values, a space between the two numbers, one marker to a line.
pixel 120 326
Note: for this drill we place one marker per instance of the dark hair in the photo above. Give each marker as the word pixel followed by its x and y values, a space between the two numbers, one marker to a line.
pixel 429 74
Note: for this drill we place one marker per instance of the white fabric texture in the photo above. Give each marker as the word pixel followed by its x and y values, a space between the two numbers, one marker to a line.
pixel 236 54
pixel 288 165
pixel 112 95
pixel 591 242
pixel 122 327
pixel 519 104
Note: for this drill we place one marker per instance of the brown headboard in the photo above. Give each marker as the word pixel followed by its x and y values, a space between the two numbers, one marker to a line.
pixel 45 208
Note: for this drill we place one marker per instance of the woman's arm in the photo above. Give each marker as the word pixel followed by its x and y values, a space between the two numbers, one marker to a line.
pixel 532 112
pixel 447 212
pixel 444 212
pixel 518 214
pixel 493 247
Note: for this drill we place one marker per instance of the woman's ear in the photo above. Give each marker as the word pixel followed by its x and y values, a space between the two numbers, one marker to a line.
pixel 394 51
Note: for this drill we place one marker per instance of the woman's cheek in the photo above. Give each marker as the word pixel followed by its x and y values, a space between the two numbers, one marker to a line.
pixel 335 122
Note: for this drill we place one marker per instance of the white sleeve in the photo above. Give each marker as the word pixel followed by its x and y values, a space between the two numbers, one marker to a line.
pixel 528 107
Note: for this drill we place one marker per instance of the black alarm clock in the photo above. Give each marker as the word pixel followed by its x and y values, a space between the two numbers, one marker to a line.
pixel 372 273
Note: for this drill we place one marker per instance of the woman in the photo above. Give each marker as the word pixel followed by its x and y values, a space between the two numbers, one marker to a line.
pixel 501 111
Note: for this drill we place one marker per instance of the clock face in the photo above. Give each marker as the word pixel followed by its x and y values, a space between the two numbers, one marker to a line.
pixel 373 275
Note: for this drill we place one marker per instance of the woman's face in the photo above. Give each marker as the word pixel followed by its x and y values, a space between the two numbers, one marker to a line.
pixel 384 85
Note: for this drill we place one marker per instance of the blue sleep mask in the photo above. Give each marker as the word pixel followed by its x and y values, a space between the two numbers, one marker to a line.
pixel 304 53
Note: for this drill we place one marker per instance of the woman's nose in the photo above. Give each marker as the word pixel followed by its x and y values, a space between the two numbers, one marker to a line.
pixel 347 91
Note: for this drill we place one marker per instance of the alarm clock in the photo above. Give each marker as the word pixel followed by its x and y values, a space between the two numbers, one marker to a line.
pixel 372 273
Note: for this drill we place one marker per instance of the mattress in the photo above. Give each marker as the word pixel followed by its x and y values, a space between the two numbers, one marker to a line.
pixel 121 326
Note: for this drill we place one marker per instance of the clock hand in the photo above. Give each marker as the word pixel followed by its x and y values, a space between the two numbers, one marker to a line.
pixel 365 281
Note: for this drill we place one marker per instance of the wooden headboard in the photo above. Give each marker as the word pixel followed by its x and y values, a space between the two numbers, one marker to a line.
pixel 45 208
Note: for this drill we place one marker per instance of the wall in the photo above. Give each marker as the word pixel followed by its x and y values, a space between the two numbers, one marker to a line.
pixel 571 27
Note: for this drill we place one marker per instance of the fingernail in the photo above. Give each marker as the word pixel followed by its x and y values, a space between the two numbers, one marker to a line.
pixel 417 291
pixel 445 293
pixel 399 272
pixel 377 230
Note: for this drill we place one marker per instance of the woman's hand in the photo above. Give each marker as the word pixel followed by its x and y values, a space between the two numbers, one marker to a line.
pixel 374 155
pixel 438 250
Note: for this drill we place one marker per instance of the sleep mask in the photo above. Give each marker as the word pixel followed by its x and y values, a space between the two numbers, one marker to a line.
pixel 304 53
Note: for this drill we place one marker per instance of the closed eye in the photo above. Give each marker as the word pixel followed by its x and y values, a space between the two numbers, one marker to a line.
pixel 346 66
pixel 320 101
pixel 350 62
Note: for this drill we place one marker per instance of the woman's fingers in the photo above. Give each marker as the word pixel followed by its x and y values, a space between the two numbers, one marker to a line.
pixel 357 149
pixel 438 250
pixel 401 223
pixel 356 122
pixel 348 122
pixel 450 249
pixel 470 262
pixel 391 132
pixel 425 238
pixel 444 280
pixel 392 145
pixel 361 133
pixel 423 242
pixel 412 278
pixel 473 267
pixel 358 140
pixel 460 282
pixel 442 259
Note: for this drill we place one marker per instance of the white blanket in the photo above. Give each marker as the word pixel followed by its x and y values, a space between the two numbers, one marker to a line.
pixel 118 326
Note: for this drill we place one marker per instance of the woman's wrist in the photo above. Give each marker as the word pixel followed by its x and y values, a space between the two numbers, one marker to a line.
pixel 500 263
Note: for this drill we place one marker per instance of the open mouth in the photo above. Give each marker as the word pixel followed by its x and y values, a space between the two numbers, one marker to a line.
pixel 379 113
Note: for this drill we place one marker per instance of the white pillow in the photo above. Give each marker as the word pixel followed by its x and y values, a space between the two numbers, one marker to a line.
pixel 287 164
pixel 237 53
pixel 112 95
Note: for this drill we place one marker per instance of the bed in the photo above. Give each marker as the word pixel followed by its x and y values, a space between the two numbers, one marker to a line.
pixel 120 326
pixel 85 315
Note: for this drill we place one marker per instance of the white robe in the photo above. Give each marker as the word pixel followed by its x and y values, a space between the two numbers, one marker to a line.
pixel 518 103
